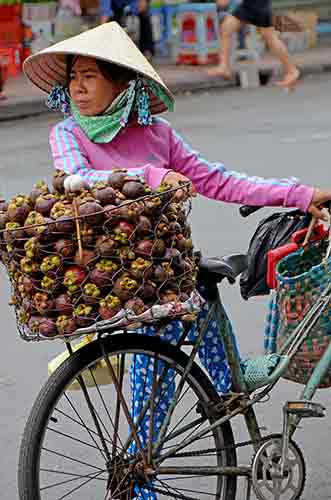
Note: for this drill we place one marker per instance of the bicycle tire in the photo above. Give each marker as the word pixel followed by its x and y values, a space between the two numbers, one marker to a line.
pixel 57 384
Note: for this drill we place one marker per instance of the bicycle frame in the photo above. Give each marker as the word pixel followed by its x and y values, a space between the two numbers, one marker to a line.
pixel 242 402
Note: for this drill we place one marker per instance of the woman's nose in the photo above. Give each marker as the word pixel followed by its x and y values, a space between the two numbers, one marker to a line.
pixel 80 87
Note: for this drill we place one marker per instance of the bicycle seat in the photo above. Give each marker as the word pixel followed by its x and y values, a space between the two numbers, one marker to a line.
pixel 215 269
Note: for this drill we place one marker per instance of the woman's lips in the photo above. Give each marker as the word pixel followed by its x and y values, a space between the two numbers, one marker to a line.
pixel 82 104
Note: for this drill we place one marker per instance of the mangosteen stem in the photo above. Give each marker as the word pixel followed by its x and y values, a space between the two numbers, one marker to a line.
pixel 79 237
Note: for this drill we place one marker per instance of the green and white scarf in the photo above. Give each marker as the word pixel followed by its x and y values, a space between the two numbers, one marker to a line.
pixel 104 128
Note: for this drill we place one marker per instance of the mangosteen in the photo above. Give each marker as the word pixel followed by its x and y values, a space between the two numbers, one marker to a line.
pixel 106 246
pixel 91 293
pixel 102 274
pixel 89 209
pixel 110 212
pixel 163 272
pixel 74 275
pixel 87 234
pixel 66 248
pixel 85 258
pixel 152 206
pixel 39 188
pixel 117 178
pixel 174 228
pixel 166 192
pixel 3 219
pixel 51 265
pixel 147 291
pixel 37 221
pixel 125 287
pixel 43 326
pixel 182 244
pixel 141 268
pixel 63 304
pixel 182 266
pixel 172 254
pixel 62 213
pixel 150 248
pixel 14 234
pixel 109 306
pixel 103 193
pixel 28 266
pixel 65 325
pixel 30 285
pixel 49 284
pixel 60 209
pixel 144 226
pixel 84 315
pixel 18 208
pixel 162 230
pixel 136 305
pixel 3 205
pixel 58 180
pixel 126 255
pixel 122 232
pixel 45 203
pixel 47 328
pixel 187 285
pixel 43 303
pixel 144 248
pixel 64 224
pixel 32 247
pixel 133 190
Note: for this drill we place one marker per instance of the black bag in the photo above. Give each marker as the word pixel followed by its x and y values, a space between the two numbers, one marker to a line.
pixel 272 232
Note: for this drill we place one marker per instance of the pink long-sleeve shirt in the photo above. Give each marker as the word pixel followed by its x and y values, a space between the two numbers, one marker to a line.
pixel 152 151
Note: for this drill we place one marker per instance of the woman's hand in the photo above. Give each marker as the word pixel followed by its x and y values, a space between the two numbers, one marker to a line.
pixel 174 179
pixel 319 198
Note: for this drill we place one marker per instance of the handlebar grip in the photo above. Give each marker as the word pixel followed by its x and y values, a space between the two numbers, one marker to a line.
pixel 247 210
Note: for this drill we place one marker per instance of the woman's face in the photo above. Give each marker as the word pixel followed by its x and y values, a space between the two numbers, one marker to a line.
pixel 89 89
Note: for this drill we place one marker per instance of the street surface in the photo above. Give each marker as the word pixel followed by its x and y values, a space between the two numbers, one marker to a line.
pixel 263 132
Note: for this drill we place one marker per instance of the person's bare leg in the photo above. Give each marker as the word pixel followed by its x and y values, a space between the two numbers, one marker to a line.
pixel 291 72
pixel 229 26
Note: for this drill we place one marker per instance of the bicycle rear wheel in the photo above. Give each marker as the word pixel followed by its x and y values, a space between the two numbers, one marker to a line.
pixel 82 444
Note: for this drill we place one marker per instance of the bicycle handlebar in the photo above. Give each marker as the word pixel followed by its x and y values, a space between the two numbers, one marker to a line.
pixel 247 210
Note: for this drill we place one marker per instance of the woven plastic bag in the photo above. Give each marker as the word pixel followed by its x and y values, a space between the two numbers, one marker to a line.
pixel 301 277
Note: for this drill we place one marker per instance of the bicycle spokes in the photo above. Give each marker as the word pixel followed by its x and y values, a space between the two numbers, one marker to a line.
pixel 100 441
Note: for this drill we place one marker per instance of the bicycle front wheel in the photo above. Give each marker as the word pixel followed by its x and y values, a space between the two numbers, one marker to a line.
pixel 117 436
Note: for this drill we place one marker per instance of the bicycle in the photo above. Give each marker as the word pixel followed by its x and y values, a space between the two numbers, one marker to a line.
pixel 67 446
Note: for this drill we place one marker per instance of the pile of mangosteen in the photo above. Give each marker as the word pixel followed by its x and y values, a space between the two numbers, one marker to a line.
pixel 76 258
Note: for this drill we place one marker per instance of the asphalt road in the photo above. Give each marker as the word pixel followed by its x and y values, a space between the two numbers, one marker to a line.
pixel 263 132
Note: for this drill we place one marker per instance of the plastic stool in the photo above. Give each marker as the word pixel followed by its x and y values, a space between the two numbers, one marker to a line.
pixel 253 52
pixel 198 27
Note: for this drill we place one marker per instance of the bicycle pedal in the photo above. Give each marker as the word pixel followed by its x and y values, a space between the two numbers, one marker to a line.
pixel 305 409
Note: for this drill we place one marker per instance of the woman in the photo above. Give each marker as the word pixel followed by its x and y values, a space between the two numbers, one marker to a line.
pixel 110 92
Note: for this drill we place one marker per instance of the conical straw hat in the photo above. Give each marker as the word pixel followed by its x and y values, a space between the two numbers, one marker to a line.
pixel 107 42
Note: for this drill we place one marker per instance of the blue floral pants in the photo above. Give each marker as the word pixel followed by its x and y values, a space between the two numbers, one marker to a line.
pixel 212 356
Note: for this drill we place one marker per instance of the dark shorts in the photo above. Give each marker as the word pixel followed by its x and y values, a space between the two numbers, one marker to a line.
pixel 258 13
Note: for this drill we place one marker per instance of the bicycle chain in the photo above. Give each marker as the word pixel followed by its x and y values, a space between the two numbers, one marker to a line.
pixel 173 495
pixel 223 448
